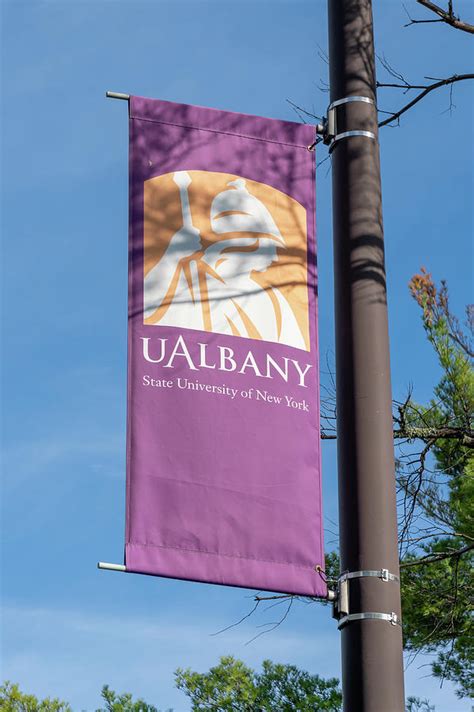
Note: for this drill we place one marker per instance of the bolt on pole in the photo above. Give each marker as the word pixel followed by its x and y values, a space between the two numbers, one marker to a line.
pixel 372 667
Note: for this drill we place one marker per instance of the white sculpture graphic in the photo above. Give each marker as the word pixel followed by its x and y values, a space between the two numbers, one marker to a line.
pixel 213 289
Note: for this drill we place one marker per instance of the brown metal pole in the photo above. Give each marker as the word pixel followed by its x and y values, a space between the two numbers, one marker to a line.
pixel 372 670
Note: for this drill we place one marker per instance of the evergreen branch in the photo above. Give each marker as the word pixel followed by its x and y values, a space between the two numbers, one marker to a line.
pixel 430 558
pixel 465 435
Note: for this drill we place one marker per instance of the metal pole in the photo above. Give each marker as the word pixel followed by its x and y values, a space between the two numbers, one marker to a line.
pixel 372 670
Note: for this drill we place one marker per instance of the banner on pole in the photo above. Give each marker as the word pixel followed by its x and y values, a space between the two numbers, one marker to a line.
pixel 223 441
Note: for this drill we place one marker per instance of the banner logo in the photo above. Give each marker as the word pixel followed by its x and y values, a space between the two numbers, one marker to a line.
pixel 225 254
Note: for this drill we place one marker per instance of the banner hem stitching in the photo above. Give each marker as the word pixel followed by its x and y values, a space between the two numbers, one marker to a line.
pixel 224 133
pixel 217 553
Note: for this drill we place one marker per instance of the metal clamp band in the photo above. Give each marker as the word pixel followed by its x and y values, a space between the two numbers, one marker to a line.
pixel 391 618
pixel 349 99
pixel 331 135
pixel 348 134
pixel 383 574
pixel 342 604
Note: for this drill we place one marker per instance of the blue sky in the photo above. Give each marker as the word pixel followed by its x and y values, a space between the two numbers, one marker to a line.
pixel 68 628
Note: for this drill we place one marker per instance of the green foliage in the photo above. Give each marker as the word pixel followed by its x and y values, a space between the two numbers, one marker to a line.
pixel 13 700
pixel 438 530
pixel 231 686
pixel 123 703
pixel 332 567
pixel 416 704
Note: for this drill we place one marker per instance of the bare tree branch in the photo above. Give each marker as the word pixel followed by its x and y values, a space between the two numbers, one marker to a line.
pixel 300 111
pixel 273 625
pixel 233 625
pixel 446 16
pixel 427 89
pixel 272 598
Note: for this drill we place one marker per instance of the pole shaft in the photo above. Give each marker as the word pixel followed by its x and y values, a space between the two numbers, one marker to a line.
pixel 372 669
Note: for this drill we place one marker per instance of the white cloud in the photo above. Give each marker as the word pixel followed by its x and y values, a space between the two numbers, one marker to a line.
pixel 24 460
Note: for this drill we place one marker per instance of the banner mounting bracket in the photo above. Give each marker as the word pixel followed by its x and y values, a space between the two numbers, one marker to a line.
pixel 117 95
pixel 328 129
pixel 341 605
pixel 111 567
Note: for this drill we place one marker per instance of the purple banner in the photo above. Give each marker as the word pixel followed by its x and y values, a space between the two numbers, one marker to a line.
pixel 223 440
